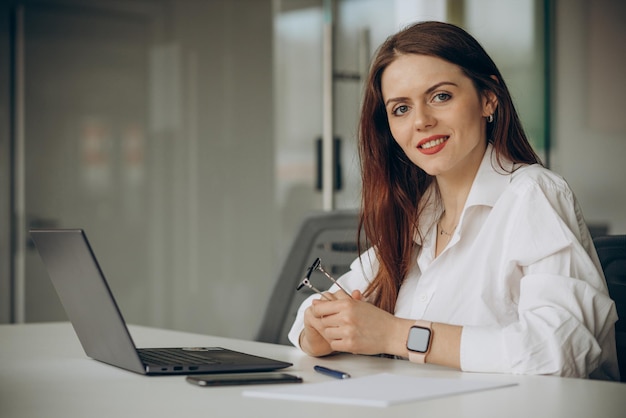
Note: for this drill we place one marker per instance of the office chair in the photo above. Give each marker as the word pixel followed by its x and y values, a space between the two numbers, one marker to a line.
pixel 331 236
pixel 612 253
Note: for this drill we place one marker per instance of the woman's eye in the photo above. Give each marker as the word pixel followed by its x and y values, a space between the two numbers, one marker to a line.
pixel 442 97
pixel 400 110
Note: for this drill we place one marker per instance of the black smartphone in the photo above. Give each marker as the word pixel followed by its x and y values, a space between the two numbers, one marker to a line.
pixel 228 379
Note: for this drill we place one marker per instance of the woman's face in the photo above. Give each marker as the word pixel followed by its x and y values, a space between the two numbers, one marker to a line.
pixel 436 114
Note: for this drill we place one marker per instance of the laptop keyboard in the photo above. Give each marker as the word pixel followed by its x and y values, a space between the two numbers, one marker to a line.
pixel 174 356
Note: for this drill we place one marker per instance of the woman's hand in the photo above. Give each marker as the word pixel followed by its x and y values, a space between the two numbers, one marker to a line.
pixel 350 324
pixel 312 340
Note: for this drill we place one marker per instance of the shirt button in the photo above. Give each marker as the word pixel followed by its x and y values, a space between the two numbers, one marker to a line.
pixel 423 297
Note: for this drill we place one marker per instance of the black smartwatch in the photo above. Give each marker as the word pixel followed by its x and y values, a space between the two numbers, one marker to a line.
pixel 418 342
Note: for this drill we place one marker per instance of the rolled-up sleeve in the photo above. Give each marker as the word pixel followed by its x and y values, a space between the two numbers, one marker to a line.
pixel 565 317
pixel 560 323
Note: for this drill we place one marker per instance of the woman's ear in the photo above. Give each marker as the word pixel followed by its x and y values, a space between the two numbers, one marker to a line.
pixel 490 103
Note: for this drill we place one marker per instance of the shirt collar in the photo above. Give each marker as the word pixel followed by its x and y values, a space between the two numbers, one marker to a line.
pixel 492 178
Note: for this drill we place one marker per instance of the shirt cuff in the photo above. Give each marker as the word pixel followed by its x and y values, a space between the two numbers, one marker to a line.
pixel 298 323
pixel 294 332
pixel 483 350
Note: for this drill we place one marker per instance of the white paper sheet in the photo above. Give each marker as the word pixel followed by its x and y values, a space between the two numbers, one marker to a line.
pixel 378 390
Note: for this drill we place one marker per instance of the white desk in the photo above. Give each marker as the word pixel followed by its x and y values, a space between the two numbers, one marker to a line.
pixel 44 373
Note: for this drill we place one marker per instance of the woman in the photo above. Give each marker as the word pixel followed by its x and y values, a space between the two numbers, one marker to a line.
pixel 480 257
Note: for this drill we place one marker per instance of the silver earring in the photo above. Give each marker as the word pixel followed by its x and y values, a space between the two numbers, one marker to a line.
pixel 490 118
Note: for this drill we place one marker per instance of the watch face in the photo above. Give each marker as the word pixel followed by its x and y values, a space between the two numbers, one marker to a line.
pixel 419 339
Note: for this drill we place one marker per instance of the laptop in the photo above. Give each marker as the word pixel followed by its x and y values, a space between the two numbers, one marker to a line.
pixel 100 327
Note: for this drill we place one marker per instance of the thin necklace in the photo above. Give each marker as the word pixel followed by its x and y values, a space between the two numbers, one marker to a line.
pixel 443 232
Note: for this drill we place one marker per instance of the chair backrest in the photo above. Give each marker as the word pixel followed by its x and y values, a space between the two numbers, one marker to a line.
pixel 612 253
pixel 331 236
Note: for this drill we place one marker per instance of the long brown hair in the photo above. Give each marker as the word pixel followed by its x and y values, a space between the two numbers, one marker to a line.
pixel 392 185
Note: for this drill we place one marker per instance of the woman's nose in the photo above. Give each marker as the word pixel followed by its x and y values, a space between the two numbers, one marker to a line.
pixel 423 118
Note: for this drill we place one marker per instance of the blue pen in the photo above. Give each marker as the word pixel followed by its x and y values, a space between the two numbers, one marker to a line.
pixel 332 373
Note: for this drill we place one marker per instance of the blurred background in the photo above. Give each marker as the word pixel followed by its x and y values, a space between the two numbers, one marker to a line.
pixel 187 137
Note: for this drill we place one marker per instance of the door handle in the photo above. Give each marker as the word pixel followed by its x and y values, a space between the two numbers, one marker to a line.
pixel 337 171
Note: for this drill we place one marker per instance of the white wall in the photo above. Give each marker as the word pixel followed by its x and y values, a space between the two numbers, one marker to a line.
pixel 589 107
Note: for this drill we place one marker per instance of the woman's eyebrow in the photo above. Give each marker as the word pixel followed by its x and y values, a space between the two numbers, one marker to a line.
pixel 438 85
pixel 428 91
pixel 396 100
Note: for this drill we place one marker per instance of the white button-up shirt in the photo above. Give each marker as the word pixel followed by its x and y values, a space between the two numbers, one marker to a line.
pixel 520 274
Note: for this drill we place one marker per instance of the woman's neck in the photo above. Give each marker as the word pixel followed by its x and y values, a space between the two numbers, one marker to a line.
pixel 454 190
pixel 453 199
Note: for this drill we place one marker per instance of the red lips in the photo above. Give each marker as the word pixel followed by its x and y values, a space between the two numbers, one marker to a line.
pixel 432 144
